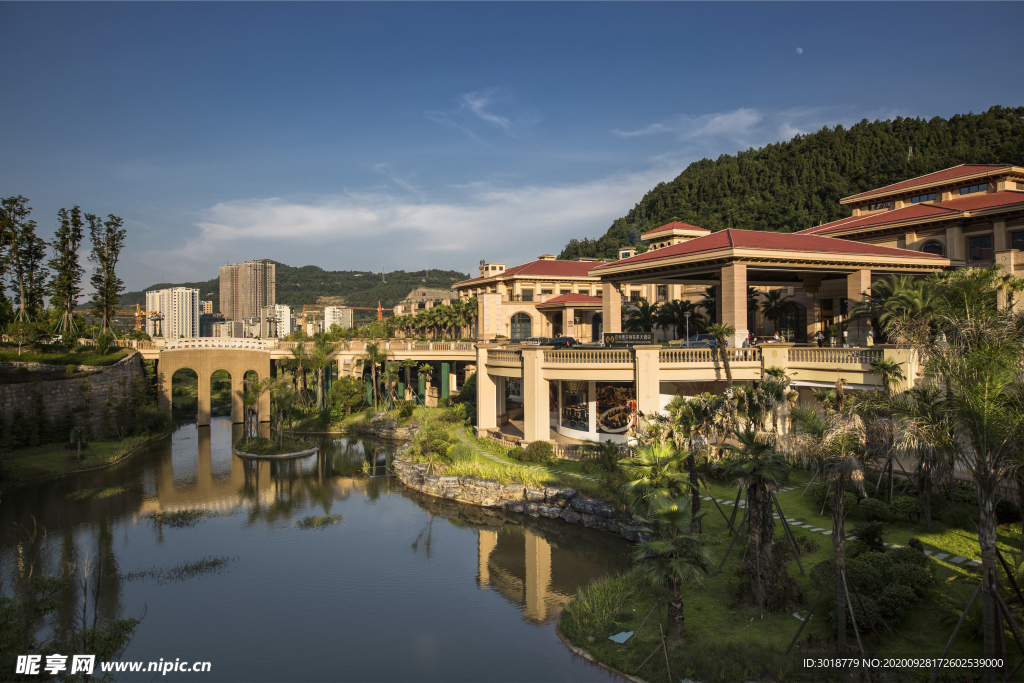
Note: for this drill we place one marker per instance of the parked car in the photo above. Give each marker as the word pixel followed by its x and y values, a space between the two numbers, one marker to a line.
pixel 563 342
pixel 535 341
pixel 702 340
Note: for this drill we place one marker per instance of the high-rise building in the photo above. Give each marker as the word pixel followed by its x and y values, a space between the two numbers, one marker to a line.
pixel 246 288
pixel 338 315
pixel 277 321
pixel 176 310
pixel 205 307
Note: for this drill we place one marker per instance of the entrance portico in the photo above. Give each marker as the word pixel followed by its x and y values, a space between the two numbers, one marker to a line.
pixel 732 260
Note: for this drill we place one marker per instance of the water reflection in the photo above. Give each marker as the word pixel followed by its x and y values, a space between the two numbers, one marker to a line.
pixel 458 592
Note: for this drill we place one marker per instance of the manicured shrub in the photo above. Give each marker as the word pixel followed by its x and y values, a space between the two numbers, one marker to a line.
pixel 907 505
pixel 1007 512
pixel 517 453
pixel 909 556
pixel 539 451
pixel 873 509
pixel 460 453
pixel 868 537
pixel 918 579
pixel 894 600
pixel 406 411
pixel 964 492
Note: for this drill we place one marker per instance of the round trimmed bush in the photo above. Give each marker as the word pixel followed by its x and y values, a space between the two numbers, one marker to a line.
pixel 919 579
pixel 909 506
pixel 895 600
pixel 539 451
pixel 873 509
pixel 517 453
pixel 1007 512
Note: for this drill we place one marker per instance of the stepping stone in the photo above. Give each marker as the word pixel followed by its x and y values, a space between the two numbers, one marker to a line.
pixel 807 526
pixel 958 559
pixel 886 544
pixel 791 519
pixel 850 538
pixel 828 533
pixel 974 563
pixel 928 553
pixel 941 556
pixel 707 497
pixel 817 529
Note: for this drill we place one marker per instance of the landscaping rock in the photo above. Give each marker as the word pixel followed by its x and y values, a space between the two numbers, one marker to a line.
pixel 535 495
pixel 531 509
pixel 570 515
pixel 550 511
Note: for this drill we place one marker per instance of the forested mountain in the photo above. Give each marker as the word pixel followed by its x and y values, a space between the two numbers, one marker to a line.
pixel 793 185
pixel 308 284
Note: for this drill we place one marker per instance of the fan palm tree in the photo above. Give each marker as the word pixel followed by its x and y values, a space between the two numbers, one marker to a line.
pixel 892 374
pixel 709 302
pixel 721 333
pixel 643 317
pixel 672 315
pixel 373 356
pixel 671 555
pixel 250 394
pixel 654 471
pixel 760 470
pixel 776 307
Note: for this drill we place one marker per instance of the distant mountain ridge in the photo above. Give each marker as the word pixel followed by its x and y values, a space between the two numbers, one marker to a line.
pixel 797 184
pixel 307 284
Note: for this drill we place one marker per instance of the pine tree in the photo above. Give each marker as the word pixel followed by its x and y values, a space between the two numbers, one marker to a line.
pixel 107 242
pixel 65 285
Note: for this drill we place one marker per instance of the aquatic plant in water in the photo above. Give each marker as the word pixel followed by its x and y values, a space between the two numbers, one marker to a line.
pixel 317 522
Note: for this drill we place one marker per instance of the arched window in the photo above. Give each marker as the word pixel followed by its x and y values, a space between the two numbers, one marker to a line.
pixel 522 326
pixel 933 247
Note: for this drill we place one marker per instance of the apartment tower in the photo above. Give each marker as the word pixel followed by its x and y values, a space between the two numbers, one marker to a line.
pixel 246 289
pixel 177 310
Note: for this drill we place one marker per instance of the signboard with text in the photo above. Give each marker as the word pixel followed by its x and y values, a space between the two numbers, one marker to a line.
pixel 625 339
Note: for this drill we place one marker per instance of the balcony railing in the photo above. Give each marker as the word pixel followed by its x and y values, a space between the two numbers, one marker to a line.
pixel 588 356
pixel 835 356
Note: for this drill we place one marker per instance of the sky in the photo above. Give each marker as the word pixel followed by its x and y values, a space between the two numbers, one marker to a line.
pixel 389 135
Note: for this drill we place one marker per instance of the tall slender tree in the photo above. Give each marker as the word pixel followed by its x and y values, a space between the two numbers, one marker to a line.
pixel 25 254
pixel 107 242
pixel 66 283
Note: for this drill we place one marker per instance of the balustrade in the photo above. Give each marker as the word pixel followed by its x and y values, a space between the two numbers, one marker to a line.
pixel 588 356
pixel 833 356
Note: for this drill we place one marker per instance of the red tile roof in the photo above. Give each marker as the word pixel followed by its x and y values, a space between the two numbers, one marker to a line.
pixel 945 174
pixel 951 208
pixel 540 268
pixel 674 225
pixel 777 241
pixel 572 299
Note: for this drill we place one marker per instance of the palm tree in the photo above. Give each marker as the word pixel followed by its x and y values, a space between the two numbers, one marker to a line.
pixel 644 316
pixel 892 374
pixel 709 302
pixel 654 471
pixel 776 307
pixel 843 472
pixel 301 362
pixel 672 315
pixel 671 555
pixel 760 470
pixel 373 355
pixel 250 394
pixel 721 333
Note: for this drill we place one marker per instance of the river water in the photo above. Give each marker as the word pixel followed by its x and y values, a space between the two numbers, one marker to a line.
pixel 405 587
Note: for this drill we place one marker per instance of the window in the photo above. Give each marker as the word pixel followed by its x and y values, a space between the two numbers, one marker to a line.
pixel 527 295
pixel 662 293
pixel 1017 239
pixel 981 248
pixel 547 291
pixel 563 290
pixel 923 198
pixel 933 247
pixel 634 295
pixel 879 205
pixel 521 327
pixel 983 187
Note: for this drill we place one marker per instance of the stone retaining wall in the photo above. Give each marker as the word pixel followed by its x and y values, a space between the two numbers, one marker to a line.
pixel 552 502
pixel 60 396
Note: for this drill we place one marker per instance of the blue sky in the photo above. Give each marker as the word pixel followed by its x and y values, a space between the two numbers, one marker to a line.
pixel 351 135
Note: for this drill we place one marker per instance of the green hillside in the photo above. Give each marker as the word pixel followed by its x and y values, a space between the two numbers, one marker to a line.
pixel 797 184
pixel 306 285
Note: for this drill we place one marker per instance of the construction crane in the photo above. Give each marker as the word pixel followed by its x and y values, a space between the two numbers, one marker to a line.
pixel 380 310
pixel 137 314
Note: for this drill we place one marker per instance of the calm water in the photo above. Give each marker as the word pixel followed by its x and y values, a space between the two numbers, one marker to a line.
pixel 406 587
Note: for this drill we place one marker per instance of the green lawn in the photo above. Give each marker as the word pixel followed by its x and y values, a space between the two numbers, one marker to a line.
pixel 727 641
pixel 8 355
pixel 56 460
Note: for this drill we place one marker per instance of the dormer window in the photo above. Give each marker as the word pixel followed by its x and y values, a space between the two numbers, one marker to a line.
pixel 879 205
pixel 983 187
pixel 930 197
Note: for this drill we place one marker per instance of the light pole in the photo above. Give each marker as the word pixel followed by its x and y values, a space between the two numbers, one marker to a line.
pixel 687 316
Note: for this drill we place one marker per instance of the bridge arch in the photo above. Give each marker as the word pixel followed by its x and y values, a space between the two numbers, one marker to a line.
pixel 204 362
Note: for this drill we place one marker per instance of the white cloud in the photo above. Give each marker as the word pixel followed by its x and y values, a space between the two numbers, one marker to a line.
pixel 799 50
pixel 477 102
pixel 358 231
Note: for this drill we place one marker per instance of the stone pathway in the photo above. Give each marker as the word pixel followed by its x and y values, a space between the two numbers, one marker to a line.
pixel 461 431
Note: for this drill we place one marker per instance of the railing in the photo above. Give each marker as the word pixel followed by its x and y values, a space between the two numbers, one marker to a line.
pixel 218 343
pixel 502 357
pixel 835 356
pixel 708 355
pixel 588 356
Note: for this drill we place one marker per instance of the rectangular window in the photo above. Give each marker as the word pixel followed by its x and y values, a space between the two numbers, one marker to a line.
pixel 662 293
pixel 981 248
pixel 599 292
pixel 527 295
pixel 923 198
pixel 1017 240
pixel 563 290
pixel 974 188
pixel 634 296
pixel 879 205
pixel 547 291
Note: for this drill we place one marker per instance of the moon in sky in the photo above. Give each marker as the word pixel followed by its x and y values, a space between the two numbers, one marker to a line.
pixel 799 50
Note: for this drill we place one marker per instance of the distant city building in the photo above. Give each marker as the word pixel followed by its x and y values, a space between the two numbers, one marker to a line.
pixel 205 307
pixel 340 316
pixel 176 311
pixel 228 328
pixel 422 299
pixel 206 323
pixel 247 288
pixel 277 321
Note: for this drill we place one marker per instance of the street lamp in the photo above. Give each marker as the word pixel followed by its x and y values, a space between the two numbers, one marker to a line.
pixel 687 316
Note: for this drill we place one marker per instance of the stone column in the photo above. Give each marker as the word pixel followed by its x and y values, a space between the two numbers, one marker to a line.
pixel 536 420
pixel 1006 261
pixel 569 322
pixel 487 541
pixel 733 303
pixel 237 384
pixel 648 387
pixel 538 577
pixel 501 394
pixel 488 316
pixel 955 243
pixel 611 307
pixel 998 236
pixel 857 283
pixel 486 418
pixel 205 457
pixel 203 412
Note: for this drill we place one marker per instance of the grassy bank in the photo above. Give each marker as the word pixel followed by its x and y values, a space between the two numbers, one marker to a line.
pixel 56 460
pixel 264 446
pixel 7 355
pixel 728 641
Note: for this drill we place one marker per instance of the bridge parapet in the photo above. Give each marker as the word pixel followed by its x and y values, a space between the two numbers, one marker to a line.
pixel 237 344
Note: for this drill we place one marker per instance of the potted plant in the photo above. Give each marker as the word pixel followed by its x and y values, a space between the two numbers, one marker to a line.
pixel 832 331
